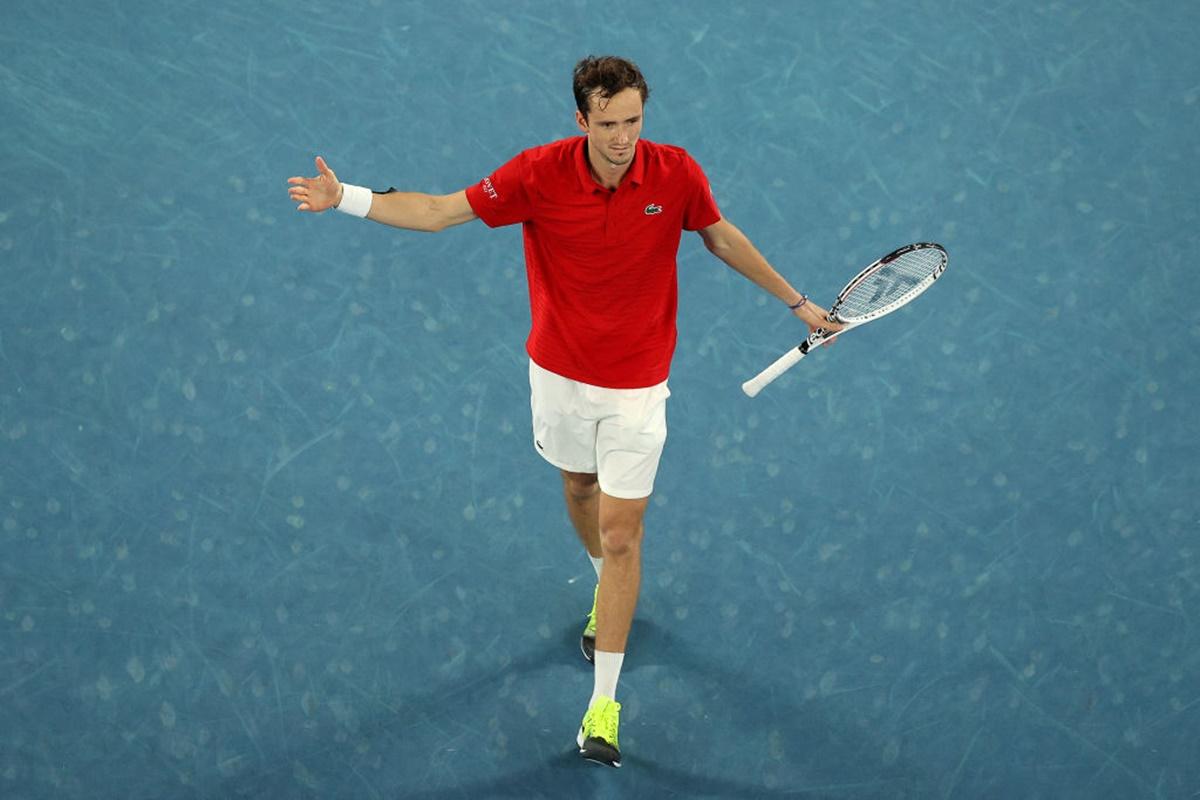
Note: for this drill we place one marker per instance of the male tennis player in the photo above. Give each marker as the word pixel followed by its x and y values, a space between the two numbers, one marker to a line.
pixel 602 214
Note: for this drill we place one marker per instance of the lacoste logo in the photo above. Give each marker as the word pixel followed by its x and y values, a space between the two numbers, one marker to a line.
pixel 653 208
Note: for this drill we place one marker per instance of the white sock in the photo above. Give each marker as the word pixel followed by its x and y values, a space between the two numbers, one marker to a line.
pixel 608 671
pixel 597 563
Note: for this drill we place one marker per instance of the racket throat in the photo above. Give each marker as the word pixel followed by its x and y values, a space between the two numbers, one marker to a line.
pixel 817 337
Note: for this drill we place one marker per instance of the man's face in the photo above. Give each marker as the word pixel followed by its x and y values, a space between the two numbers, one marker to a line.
pixel 613 126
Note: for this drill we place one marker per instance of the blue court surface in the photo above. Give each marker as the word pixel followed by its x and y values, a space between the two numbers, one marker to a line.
pixel 271 521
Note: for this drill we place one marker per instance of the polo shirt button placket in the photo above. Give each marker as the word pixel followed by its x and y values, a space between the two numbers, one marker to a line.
pixel 609 202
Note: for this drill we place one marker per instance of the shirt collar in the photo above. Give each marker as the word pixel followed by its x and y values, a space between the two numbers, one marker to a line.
pixel 635 175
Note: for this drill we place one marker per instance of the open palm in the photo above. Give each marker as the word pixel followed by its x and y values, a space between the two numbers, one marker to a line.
pixel 318 193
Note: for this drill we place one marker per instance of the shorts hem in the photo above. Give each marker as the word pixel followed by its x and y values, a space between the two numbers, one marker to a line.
pixel 626 494
pixel 563 466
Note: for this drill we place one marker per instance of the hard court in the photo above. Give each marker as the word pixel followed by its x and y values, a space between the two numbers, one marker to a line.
pixel 271 522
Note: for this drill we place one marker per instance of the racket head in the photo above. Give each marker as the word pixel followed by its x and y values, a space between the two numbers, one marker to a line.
pixel 889 283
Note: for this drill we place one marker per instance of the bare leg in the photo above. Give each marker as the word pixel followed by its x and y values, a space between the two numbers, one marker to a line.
pixel 621 533
pixel 582 493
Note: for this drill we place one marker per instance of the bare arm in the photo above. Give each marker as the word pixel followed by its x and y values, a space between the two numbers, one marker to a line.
pixel 412 210
pixel 725 241
pixel 421 212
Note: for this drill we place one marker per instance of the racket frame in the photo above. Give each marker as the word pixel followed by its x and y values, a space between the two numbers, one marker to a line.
pixel 822 336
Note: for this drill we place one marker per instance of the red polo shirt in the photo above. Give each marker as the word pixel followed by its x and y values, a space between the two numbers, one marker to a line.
pixel 600 262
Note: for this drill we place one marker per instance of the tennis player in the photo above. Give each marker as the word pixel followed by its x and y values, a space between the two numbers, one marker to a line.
pixel 603 215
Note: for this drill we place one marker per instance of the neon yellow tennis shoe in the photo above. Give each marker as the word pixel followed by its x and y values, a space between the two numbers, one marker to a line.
pixel 597 738
pixel 587 641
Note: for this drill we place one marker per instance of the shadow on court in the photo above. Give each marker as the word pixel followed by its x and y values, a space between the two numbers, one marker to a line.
pixel 699 761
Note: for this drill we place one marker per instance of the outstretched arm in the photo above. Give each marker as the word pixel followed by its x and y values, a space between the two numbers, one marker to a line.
pixel 412 210
pixel 726 242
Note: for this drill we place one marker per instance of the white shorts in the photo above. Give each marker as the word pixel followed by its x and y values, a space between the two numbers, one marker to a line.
pixel 616 434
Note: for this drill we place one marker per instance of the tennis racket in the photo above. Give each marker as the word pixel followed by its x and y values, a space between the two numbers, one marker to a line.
pixel 889 283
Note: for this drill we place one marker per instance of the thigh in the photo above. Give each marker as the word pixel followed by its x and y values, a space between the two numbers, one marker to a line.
pixel 621 513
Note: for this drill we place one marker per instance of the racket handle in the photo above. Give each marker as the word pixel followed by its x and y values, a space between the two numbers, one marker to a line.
pixel 782 364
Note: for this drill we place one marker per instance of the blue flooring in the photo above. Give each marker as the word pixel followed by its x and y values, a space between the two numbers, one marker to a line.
pixel 270 520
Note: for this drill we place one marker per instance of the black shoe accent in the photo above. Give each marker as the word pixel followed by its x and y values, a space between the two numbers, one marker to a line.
pixel 588 645
pixel 601 752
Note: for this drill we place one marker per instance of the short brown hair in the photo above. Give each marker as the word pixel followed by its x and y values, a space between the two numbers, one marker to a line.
pixel 605 76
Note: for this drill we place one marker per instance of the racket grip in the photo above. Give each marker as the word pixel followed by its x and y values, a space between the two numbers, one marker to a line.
pixel 782 364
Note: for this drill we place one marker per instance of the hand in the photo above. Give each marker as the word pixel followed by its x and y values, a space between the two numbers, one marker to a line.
pixel 816 317
pixel 316 194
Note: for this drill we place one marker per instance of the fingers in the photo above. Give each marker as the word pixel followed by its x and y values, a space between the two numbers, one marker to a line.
pixel 323 171
pixel 326 172
pixel 299 187
pixel 299 194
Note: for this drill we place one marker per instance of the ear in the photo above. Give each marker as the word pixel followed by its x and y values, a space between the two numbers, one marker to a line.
pixel 581 121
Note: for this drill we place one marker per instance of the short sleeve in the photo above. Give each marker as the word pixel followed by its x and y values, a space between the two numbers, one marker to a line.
pixel 701 210
pixel 501 198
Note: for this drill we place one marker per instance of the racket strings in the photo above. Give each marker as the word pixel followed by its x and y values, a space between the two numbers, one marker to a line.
pixel 891 283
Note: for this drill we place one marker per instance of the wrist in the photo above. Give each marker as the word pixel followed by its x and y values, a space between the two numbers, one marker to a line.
pixel 799 304
pixel 354 200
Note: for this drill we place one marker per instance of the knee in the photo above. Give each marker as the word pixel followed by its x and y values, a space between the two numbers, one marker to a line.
pixel 581 485
pixel 621 538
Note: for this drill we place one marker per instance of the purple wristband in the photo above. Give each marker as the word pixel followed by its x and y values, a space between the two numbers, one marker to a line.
pixel 799 304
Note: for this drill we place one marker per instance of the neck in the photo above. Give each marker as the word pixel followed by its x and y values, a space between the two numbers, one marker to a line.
pixel 606 174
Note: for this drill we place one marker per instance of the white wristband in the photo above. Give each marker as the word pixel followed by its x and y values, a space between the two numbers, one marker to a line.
pixel 356 200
